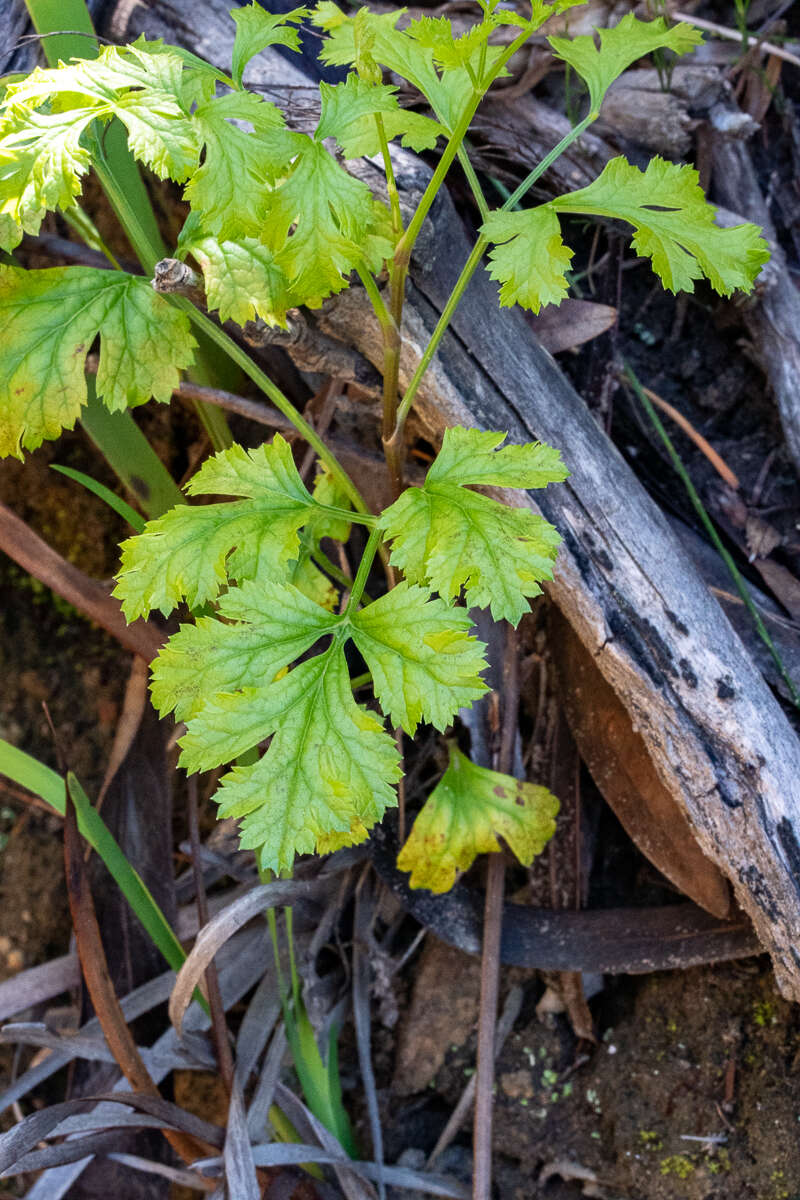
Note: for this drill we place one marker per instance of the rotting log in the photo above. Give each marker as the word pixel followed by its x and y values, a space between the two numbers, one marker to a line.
pixel 720 742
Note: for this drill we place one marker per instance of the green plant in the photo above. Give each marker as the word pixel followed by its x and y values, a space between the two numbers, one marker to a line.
pixel 276 221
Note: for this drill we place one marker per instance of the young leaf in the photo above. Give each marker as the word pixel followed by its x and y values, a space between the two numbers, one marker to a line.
pixel 448 537
pixel 531 264
pixel 191 552
pixel 256 29
pixel 394 49
pixel 345 105
pixel 674 225
pixel 332 212
pixel 619 47
pixel 231 189
pixel 348 114
pixel 424 664
pixel 450 52
pixel 241 278
pixel 274 625
pixel 329 771
pixel 50 319
pixel 464 815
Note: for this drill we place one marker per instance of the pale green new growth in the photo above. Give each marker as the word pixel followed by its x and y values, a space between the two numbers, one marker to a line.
pixel 256 29
pixel 448 537
pixel 327 776
pixel 674 225
pixel 49 320
pixel 191 552
pixel 424 664
pixel 531 263
pixel 465 814
pixel 619 47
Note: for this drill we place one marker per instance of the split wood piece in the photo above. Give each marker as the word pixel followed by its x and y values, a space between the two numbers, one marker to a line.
pixel 616 754
pixel 88 595
pixel 772 315
pixel 721 745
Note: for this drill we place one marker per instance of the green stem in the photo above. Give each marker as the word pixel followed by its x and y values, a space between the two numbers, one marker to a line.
pixel 549 159
pixel 281 402
pixel 710 529
pixel 391 182
pixel 469 270
pixel 364 567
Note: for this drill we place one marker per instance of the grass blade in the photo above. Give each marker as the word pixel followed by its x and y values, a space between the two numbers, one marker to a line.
pixel 120 506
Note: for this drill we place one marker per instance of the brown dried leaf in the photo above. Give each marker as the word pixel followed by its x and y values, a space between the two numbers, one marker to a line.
pixel 621 767
pixel 571 324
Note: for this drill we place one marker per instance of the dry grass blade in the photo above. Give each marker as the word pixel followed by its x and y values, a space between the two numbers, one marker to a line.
pixel 237 1155
pixel 38 984
pixel 98 980
pixel 217 932
pixel 138 1002
pixel 304 1121
pixel 364 916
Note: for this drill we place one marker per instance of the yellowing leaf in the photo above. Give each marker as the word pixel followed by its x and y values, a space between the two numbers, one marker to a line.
pixel 424 664
pixel 242 280
pixel 49 320
pixel 256 29
pixel 619 47
pixel 448 537
pixel 531 264
pixel 42 163
pixel 674 225
pixel 191 552
pixel 463 817
pixel 327 775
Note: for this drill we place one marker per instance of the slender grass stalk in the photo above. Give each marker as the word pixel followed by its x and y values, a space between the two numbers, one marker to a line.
pixel 120 506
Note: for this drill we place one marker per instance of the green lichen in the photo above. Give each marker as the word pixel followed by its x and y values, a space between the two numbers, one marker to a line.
pixel 650 1139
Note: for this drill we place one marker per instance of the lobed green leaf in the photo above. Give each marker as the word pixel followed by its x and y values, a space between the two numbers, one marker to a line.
pixel 619 47
pixel 192 552
pixel 674 225
pixel 242 279
pixel 448 537
pixel 327 775
pixel 531 263
pixel 424 664
pixel 256 29
pixel 50 319
pixel 274 625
